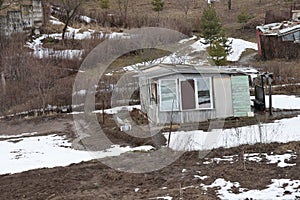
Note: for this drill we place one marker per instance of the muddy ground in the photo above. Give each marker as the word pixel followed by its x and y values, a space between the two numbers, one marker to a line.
pixel 95 180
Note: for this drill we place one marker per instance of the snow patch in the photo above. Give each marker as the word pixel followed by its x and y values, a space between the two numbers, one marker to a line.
pixel 258 157
pixel 285 130
pixel 279 189
pixel 201 177
pixel 115 110
pixel 284 101
pixel 238 47
pixel 49 151
pixel 164 197
pixel 17 136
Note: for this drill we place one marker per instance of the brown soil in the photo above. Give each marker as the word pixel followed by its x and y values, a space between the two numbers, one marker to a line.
pixel 94 180
pixel 58 124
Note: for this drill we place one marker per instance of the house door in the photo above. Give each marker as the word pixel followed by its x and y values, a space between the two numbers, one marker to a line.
pixel 188 94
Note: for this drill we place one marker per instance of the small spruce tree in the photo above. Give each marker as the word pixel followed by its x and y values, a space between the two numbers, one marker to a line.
pixel 210 25
pixel 214 35
pixel 104 4
pixel 219 49
pixel 243 17
pixel 158 6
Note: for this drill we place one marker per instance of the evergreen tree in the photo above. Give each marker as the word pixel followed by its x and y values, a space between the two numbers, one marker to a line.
pixel 243 17
pixel 158 5
pixel 213 34
pixel 219 49
pixel 217 53
pixel 104 4
pixel 210 26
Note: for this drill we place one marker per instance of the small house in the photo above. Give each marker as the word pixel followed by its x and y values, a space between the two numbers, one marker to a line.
pixel 279 40
pixel 187 94
pixel 22 17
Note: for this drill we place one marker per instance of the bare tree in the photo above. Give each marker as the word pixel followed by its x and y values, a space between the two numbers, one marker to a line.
pixel 70 8
pixel 43 78
pixel 185 5
pixel 158 6
pixel 229 4
pixel 123 8
pixel 8 3
pixel 13 62
pixel 2 46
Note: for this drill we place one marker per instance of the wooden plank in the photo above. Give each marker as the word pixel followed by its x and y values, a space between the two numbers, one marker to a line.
pixel 240 96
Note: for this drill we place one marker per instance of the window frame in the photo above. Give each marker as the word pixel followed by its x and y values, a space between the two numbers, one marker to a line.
pixel 210 93
pixel 176 107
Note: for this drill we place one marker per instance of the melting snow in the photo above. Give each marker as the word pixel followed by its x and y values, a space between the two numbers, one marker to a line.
pixel 256 157
pixel 17 136
pixel 284 130
pixel 115 110
pixel 238 47
pixel 201 177
pixel 284 101
pixel 18 155
pixel 188 39
pixel 71 33
pixel 55 21
pixel 279 189
pixel 86 19
pixel 165 197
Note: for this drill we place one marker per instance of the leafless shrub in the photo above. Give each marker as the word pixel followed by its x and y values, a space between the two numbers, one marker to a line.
pixel 283 71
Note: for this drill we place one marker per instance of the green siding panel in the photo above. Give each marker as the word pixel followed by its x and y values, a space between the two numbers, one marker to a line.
pixel 240 96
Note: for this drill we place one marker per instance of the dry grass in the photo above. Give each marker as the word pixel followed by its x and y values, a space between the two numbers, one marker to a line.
pixel 172 10
pixel 284 71
pixel 137 57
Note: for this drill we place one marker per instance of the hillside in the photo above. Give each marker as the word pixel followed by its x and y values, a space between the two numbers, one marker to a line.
pixel 72 122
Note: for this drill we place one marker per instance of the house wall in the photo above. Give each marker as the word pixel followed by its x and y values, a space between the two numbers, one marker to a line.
pixel 274 47
pixel 223 97
pixel 240 96
pixel 148 106
pixel 222 101
pixel 14 21
pixel 26 18
pixel 3 25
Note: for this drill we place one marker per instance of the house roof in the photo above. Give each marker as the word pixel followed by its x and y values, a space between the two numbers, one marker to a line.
pixel 15 6
pixel 279 29
pixel 161 70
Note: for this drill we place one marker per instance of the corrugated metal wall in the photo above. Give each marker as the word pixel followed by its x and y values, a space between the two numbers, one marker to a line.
pixel 240 96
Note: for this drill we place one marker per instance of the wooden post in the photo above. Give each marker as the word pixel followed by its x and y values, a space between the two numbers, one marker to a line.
pixel 263 87
pixel 171 124
pixel 270 95
pixel 103 117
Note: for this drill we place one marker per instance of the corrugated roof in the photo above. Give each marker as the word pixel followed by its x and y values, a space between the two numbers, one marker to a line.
pixel 161 70
pixel 279 29
pixel 14 6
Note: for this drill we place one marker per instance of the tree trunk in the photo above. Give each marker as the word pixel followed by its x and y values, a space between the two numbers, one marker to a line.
pixel 3 83
pixel 229 4
pixel 64 30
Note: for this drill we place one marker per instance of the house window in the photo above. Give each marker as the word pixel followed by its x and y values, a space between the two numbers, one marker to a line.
pixel 188 100
pixel 153 92
pixel 204 93
pixel 168 95
pixel 196 93
pixel 289 37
